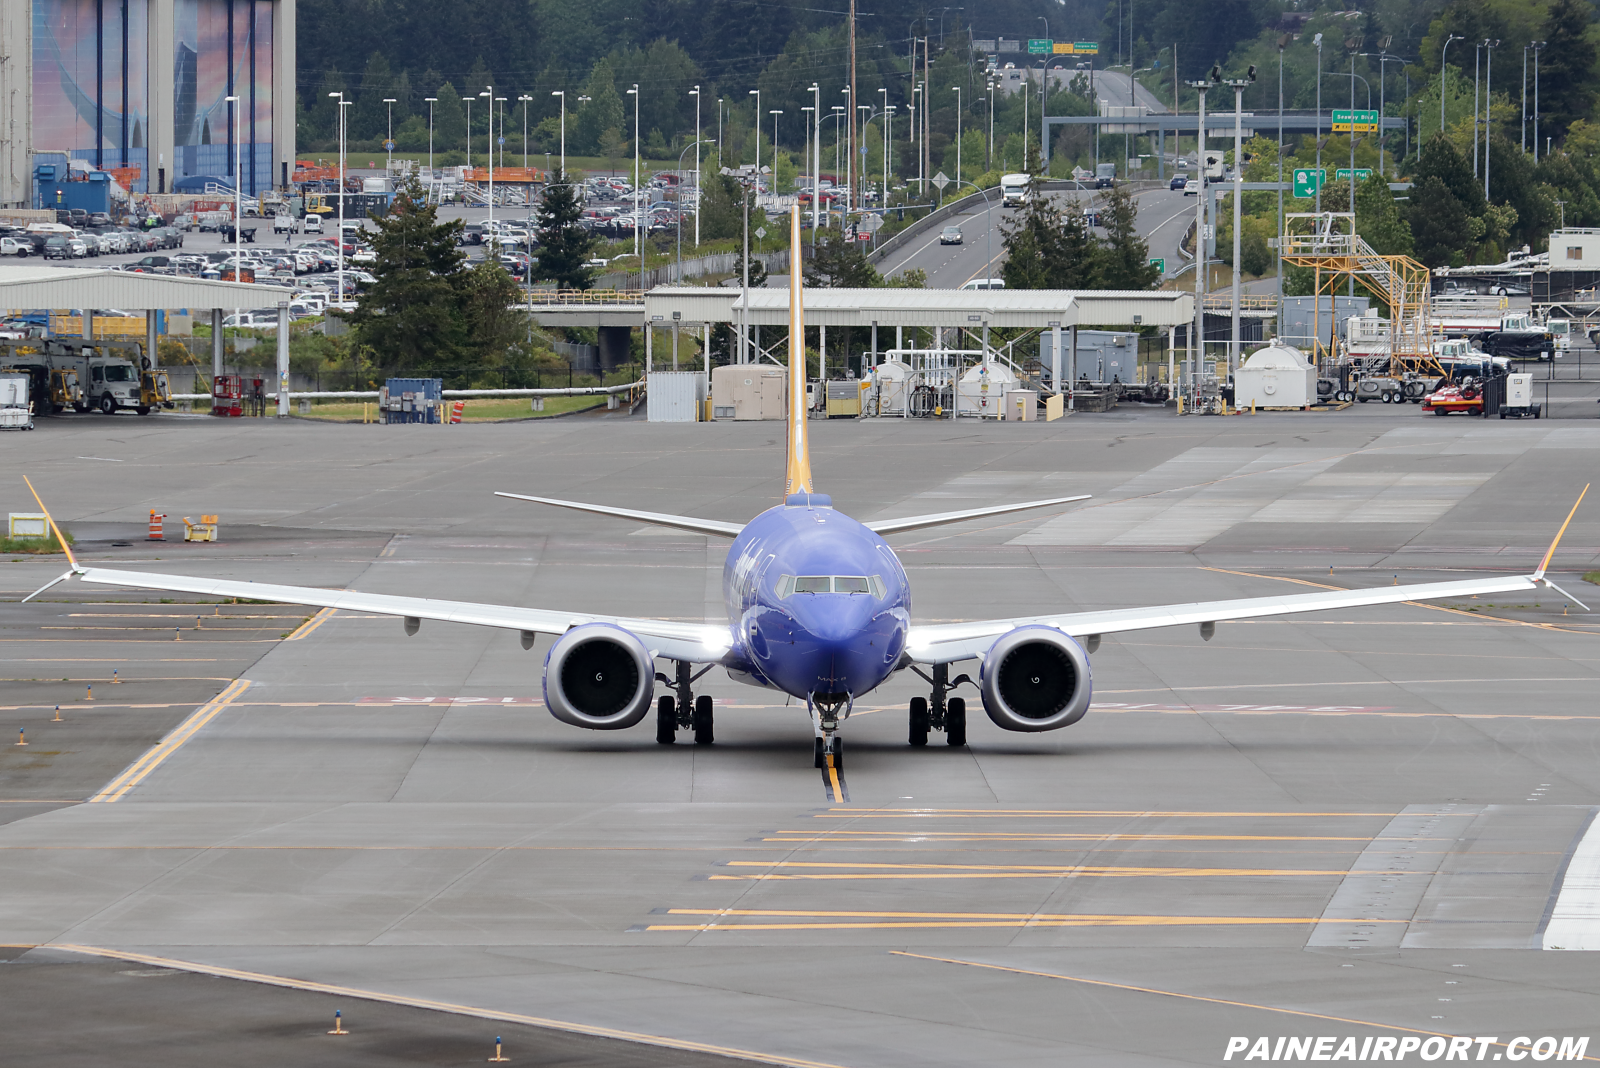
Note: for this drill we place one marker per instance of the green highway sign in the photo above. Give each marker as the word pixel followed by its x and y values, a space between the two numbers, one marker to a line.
pixel 1362 173
pixel 1355 122
pixel 1307 180
pixel 1039 46
pixel 1160 265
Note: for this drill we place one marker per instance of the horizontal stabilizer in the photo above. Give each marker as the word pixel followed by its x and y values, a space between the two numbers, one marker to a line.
pixel 939 519
pixel 681 522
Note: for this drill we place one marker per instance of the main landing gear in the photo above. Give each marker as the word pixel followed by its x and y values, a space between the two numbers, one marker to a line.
pixel 685 711
pixel 936 712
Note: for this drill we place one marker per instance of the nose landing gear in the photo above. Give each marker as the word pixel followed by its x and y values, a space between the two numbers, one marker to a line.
pixel 686 711
pixel 937 712
pixel 828 710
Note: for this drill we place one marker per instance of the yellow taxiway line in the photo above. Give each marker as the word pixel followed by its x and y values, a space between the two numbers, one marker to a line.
pixel 157 754
pixel 311 624
pixel 444 1006
pixel 889 920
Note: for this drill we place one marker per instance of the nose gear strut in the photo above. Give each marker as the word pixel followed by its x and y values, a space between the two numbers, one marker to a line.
pixel 828 710
pixel 687 711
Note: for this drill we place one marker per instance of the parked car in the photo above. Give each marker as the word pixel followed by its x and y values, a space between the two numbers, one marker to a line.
pixel 99 218
pixel 313 224
pixel 56 248
pixel 1179 181
pixel 76 248
pixel 950 235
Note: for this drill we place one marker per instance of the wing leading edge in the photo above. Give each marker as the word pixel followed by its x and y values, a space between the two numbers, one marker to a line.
pixel 699 642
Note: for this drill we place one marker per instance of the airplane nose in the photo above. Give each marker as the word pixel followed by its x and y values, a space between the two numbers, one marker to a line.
pixel 845 646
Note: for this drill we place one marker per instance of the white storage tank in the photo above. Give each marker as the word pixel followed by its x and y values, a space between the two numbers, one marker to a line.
pixel 889 384
pixel 983 388
pixel 1278 376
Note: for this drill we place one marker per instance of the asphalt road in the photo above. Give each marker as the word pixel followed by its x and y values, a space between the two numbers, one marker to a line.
pixel 1362 816
pixel 1164 215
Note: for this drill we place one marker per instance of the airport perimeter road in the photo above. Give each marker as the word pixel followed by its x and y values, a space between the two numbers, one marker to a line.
pixel 1163 219
pixel 1358 824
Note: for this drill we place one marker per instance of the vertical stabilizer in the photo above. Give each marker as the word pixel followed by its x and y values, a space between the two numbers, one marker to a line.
pixel 797 479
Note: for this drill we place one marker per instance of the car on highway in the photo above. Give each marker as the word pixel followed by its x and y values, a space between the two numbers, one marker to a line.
pixel 950 235
pixel 1179 181
pixel 1091 216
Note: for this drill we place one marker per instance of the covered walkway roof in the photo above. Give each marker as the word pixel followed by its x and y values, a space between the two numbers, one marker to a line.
pixel 33 287
pixel 1025 308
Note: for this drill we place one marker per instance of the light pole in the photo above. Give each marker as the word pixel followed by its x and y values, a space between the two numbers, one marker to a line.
pixel 810 114
pixel 1488 107
pixel 695 92
pixel 888 143
pixel 525 98
pixel 490 94
pixel 1442 51
pixel 756 127
pixel 238 203
pixel 816 160
pixel 1317 40
pixel 1538 46
pixel 1382 58
pixel 562 93
pixel 432 100
pixel 339 277
pixel 916 90
pixel 838 111
pixel 501 140
pixel 851 180
pixel 1196 332
pixel 957 90
pixel 1525 97
pixel 638 194
pixel 1477 78
pixel 468 100
pixel 861 152
pixel 388 162
pixel 1239 85
pixel 989 156
pixel 686 148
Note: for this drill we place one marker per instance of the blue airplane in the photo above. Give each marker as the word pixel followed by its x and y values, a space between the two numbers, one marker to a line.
pixel 818 608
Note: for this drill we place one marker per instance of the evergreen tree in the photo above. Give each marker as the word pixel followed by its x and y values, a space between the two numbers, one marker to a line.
pixel 721 214
pixel 411 318
pixel 486 294
pixel 1125 259
pixel 1440 159
pixel 1047 248
pixel 840 263
pixel 1567 62
pixel 370 120
pixel 449 120
pixel 564 245
pixel 758 271
pixel 1378 218
pixel 1439 223
pixel 602 112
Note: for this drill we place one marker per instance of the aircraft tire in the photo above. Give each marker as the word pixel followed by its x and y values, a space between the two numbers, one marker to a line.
pixel 703 734
pixel 955 721
pixel 919 721
pixel 666 721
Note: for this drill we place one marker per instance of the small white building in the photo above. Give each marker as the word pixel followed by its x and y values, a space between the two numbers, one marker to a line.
pixel 1278 376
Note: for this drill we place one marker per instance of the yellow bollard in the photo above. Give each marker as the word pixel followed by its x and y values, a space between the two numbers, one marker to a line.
pixel 90 696
pixel 58 715
pixel 338 1024
pixel 22 737
pixel 1252 406
pixel 114 678
pixel 499 1056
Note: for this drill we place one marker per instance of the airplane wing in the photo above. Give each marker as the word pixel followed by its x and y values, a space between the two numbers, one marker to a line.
pixel 699 642
pixel 939 519
pixel 714 527
pixel 944 643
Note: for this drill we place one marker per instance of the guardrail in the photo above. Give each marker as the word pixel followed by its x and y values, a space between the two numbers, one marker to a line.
pixel 586 296
pixel 957 207
pixel 448 394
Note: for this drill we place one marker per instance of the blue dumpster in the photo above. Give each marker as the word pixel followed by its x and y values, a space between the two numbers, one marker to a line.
pixel 411 400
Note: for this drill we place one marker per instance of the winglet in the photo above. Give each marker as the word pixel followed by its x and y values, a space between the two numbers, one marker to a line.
pixel 1539 574
pixel 797 478
pixel 72 560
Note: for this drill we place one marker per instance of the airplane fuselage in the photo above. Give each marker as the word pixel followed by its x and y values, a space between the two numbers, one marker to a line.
pixel 818 603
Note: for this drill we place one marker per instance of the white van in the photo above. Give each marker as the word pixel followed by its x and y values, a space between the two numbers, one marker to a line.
pixel 313 224
pixel 985 283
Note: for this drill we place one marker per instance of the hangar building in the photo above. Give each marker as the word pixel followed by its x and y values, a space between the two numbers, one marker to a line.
pixel 139 87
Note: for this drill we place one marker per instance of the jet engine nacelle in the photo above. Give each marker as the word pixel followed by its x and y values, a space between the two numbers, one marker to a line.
pixel 599 676
pixel 1035 678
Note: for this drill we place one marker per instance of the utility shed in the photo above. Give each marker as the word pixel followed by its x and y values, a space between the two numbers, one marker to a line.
pixel 1278 376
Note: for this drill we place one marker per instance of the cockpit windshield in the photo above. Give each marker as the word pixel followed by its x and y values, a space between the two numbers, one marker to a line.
pixel 868 584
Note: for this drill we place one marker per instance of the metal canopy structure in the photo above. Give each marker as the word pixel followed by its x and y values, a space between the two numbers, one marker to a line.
pixel 39 287
pixel 1034 309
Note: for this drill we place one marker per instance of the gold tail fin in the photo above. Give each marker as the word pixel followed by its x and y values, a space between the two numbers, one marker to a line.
pixel 71 560
pixel 1548 556
pixel 797 479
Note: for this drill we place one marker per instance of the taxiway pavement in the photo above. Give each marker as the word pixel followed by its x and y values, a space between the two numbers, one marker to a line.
pixel 1364 815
